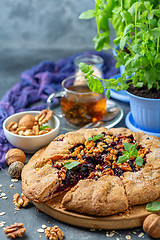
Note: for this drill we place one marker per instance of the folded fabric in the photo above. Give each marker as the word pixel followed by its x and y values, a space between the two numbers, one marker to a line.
pixel 37 84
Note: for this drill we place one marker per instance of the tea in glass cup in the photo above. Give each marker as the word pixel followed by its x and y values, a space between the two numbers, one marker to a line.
pixel 79 104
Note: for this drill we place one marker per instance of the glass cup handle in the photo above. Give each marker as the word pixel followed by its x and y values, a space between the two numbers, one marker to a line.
pixel 52 96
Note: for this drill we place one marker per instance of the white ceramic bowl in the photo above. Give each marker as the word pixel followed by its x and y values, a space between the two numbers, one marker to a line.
pixel 30 144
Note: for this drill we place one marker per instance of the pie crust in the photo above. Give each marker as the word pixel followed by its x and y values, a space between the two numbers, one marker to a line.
pixel 94 189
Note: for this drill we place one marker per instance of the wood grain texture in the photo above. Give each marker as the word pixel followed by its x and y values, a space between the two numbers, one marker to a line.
pixel 133 218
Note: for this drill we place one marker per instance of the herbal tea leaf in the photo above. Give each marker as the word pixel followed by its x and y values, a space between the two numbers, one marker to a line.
pixel 88 14
pixel 153 206
pixel 96 137
pixel 70 165
pixel 127 146
pixel 123 158
pixel 139 161
pixel 44 127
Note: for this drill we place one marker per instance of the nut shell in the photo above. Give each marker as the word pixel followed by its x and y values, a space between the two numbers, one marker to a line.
pixel 14 155
pixel 15 169
pixel 151 225
pixel 27 121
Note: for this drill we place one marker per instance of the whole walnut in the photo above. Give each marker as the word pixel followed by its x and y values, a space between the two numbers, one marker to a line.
pixel 15 169
pixel 151 225
pixel 15 154
pixel 27 121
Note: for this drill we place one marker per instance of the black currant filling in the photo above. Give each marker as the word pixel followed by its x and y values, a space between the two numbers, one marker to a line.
pixel 101 159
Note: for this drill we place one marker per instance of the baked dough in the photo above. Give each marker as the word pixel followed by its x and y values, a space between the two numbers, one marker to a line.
pixel 99 186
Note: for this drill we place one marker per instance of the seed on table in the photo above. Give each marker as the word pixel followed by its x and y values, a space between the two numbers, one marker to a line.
pixel 40 230
pixel 44 226
pixel 2 213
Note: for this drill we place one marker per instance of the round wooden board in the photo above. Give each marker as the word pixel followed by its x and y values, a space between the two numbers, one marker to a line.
pixel 133 218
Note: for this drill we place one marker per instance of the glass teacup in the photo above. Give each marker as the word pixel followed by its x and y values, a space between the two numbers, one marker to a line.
pixel 79 104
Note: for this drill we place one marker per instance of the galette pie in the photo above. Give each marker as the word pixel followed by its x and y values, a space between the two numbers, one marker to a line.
pixel 103 171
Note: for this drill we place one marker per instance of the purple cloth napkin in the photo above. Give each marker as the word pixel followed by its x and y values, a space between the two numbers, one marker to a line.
pixel 36 85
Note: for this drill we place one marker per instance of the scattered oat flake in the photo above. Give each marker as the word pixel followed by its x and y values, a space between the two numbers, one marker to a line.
pixel 110 234
pixel 14 180
pixel 3 194
pixel 44 226
pixel 134 232
pixel 2 213
pixel 128 237
pixel 2 223
pixel 117 238
pixel 4 197
pixel 141 235
pixel 11 186
pixel 40 230
pixel 0 185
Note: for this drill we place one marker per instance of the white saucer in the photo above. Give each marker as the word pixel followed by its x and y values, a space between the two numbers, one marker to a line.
pixel 130 123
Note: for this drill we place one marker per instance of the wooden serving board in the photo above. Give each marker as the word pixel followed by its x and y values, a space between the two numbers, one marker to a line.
pixel 130 219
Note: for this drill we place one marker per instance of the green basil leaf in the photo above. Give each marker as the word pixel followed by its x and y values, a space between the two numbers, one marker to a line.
pixel 139 161
pixel 156 12
pixel 95 85
pixel 127 146
pixel 99 41
pixel 135 6
pixel 96 137
pixel 123 158
pixel 147 5
pixel 89 139
pixel 103 23
pixel 108 94
pixel 155 32
pixel 43 127
pixel 128 28
pixel 88 14
pixel 153 206
pixel 133 151
pixel 69 165
pixel 117 10
pixel 123 42
pixel 84 67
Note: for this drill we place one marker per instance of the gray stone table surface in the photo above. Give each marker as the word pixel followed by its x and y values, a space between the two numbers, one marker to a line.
pixel 12 63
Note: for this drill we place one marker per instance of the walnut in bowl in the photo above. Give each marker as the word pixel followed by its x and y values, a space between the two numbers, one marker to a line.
pixel 30 137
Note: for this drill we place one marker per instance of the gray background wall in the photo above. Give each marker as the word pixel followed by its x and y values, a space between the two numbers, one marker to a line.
pixel 36 30
pixel 45 24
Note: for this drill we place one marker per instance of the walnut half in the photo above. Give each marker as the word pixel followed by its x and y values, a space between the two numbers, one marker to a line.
pixel 20 201
pixel 15 230
pixel 54 233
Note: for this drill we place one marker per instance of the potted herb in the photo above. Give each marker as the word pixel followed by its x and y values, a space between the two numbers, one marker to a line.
pixel 141 77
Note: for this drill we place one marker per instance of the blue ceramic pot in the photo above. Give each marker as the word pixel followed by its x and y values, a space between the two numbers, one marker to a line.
pixel 145 112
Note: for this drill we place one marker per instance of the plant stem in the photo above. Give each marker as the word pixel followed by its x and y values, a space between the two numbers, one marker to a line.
pixel 121 5
pixel 158 45
pixel 136 25
pixel 108 46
